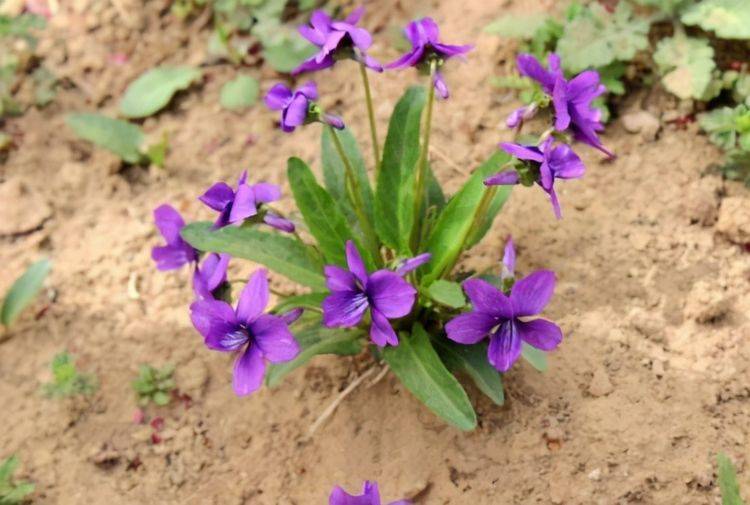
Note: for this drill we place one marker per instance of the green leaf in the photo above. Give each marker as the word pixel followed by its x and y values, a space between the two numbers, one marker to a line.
pixel 8 468
pixel 611 76
pixel 282 254
pixel 517 26
pixel 730 489
pixel 314 341
pixel 447 293
pixel 334 170
pixel 153 90
pixel 535 357
pixel 472 360
pixel 306 301
pixel 686 64
pixel 161 398
pixel 729 19
pixel 394 196
pixel 239 93
pixel 119 137
pixel 322 214
pixel 418 366
pixel 283 48
pixel 17 494
pixel 595 38
pixel 454 225
pixel 23 291
pixel 721 125
pixel 157 153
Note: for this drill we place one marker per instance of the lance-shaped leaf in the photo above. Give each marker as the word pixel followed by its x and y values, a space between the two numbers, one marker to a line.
pixel 730 489
pixel 117 136
pixel 729 19
pixel 334 171
pixel 280 253
pixel 418 366
pixel 23 291
pixel 153 90
pixel 313 341
pixel 536 357
pixel 323 215
pixel 454 227
pixel 472 360
pixel 394 196
pixel 447 293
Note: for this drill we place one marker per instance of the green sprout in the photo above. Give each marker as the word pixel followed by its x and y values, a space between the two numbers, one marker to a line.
pixel 11 492
pixel 730 489
pixel 154 385
pixel 67 380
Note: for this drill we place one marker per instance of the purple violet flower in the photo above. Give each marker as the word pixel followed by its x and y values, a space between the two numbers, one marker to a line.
pixel 370 496
pixel 336 39
pixel 552 162
pixel 572 99
pixel 521 114
pixel 176 252
pixel 424 36
pixel 353 291
pixel 299 107
pixel 210 275
pixel 236 206
pixel 256 336
pixel 497 316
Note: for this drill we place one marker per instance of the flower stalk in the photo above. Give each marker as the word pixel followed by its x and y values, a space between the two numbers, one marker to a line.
pixel 419 179
pixel 354 193
pixel 371 117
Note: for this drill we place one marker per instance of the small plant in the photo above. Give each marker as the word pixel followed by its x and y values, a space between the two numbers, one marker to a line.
pixel 67 381
pixel 17 58
pixel 11 492
pixel 677 42
pixel 23 291
pixel 729 128
pixel 381 258
pixel 154 385
pixel 730 489
pixel 240 24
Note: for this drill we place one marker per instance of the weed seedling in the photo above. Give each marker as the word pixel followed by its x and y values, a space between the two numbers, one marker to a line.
pixel 154 385
pixel 67 381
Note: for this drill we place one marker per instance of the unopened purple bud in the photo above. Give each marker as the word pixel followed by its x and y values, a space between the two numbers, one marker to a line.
pixel 507 178
pixel 509 260
pixel 333 121
pixel 279 222
pixel 412 264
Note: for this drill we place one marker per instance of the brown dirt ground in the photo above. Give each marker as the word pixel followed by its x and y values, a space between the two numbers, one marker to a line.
pixel 651 381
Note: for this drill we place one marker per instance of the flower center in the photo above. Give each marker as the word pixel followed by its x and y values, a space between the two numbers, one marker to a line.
pixel 236 339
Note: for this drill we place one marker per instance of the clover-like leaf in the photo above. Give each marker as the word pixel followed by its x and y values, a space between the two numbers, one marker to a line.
pixel 729 19
pixel 686 64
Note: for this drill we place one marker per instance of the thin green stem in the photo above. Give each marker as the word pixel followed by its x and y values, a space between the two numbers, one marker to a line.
pixel 476 222
pixel 355 197
pixel 421 175
pixel 371 116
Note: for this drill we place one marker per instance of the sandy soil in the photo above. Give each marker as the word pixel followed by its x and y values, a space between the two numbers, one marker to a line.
pixel 652 379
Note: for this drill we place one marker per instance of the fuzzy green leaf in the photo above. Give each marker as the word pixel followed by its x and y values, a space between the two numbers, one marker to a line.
pixel 313 341
pixel 517 26
pixel 730 489
pixel 447 293
pixel 117 136
pixel 334 170
pixel 394 197
pixel 281 253
pixel 323 215
pixel 686 64
pixel 239 93
pixel 595 38
pixel 418 366
pixel 453 228
pixel 472 360
pixel 729 19
pixel 23 291
pixel 153 90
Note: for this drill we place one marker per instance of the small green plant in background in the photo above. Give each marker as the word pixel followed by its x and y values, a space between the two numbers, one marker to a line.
pixel 154 385
pixel 17 58
pixel 730 489
pixel 23 291
pixel 67 381
pixel 240 24
pixel 12 492
pixel 675 42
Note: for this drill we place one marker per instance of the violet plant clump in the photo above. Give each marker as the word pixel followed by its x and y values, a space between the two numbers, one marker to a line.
pixel 376 252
